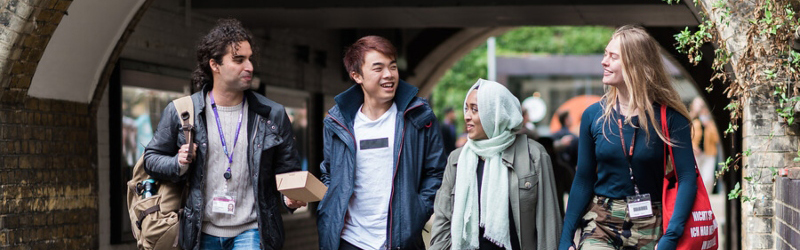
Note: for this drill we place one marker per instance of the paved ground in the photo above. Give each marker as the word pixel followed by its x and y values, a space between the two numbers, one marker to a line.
pixel 718 205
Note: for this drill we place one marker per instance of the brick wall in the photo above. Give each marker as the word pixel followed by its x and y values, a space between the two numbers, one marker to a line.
pixel 758 215
pixel 48 194
pixel 25 29
pixel 787 211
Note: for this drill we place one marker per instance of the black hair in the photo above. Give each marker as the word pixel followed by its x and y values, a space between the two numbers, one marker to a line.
pixel 562 118
pixel 214 45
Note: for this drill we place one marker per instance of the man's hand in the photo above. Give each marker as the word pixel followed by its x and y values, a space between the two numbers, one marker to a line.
pixel 293 204
pixel 183 154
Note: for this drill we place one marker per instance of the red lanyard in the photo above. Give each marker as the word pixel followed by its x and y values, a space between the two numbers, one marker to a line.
pixel 628 153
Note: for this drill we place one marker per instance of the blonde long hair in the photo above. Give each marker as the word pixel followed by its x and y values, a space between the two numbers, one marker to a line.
pixel 646 79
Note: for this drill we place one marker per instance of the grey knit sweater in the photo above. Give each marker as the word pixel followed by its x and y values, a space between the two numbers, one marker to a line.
pixel 245 216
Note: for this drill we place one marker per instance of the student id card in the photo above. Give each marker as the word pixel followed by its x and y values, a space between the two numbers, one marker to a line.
pixel 639 206
pixel 224 202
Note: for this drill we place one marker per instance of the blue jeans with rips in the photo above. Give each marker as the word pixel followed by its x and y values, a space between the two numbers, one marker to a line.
pixel 247 240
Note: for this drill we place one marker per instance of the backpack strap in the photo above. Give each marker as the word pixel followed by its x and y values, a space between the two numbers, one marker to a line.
pixel 185 108
pixel 146 212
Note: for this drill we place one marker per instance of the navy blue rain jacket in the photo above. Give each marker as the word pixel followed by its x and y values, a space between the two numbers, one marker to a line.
pixel 419 162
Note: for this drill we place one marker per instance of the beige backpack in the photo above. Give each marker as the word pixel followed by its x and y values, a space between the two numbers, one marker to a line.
pixel 155 219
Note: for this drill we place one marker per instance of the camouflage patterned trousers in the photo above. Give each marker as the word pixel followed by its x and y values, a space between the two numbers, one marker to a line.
pixel 606 225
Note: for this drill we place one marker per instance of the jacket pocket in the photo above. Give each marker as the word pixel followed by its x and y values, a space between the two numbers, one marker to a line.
pixel 528 189
pixel 270 140
pixel 528 182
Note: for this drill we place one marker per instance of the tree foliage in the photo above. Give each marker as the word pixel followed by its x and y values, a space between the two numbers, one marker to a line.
pixel 762 68
pixel 556 40
pixel 451 90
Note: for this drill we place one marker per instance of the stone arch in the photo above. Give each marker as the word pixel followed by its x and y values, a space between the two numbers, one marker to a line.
pixel 436 63
pixel 27 28
pixel 49 170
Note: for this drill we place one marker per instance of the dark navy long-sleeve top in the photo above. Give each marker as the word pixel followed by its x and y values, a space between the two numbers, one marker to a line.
pixel 603 168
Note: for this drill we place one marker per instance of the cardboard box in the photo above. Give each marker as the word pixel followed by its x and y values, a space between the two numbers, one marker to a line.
pixel 301 185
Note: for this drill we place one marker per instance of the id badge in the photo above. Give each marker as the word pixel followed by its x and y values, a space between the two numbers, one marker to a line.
pixel 639 206
pixel 223 202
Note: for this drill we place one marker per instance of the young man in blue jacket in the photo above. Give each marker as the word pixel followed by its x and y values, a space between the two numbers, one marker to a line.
pixel 383 157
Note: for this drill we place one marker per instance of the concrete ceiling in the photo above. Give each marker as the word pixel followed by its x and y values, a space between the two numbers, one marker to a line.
pixel 427 14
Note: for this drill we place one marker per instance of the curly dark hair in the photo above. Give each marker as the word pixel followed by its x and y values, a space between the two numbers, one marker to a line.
pixel 214 45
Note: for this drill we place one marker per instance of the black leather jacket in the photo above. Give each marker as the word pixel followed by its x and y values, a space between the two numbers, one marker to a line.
pixel 270 151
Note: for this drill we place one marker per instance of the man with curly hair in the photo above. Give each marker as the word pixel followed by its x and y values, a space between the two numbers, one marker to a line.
pixel 244 140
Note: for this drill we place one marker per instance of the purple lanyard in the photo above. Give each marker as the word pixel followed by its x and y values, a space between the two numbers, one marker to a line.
pixel 222 135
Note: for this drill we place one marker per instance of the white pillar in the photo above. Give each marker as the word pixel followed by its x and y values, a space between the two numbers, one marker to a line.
pixel 490 57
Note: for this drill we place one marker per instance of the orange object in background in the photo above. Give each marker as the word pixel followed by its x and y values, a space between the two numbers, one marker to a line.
pixel 575 106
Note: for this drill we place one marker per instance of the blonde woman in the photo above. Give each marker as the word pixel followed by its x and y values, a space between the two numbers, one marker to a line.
pixel 498 191
pixel 615 200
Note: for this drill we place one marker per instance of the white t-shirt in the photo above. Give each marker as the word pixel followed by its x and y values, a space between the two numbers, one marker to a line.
pixel 368 209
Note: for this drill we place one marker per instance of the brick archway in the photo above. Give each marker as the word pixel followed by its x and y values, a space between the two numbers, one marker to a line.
pixel 48 171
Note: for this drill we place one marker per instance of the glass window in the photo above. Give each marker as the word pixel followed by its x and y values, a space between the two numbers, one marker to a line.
pixel 136 101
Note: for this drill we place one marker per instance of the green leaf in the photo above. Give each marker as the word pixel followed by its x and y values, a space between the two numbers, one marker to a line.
pixel 748 152
pixel 735 192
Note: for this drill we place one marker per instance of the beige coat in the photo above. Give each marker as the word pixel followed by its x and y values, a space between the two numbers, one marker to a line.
pixel 532 191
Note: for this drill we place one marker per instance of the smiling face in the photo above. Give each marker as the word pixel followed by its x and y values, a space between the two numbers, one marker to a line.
pixel 612 64
pixel 471 118
pixel 235 72
pixel 379 76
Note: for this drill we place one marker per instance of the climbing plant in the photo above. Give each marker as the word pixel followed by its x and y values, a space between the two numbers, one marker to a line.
pixel 764 70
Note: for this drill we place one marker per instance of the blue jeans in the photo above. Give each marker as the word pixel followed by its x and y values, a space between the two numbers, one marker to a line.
pixel 247 240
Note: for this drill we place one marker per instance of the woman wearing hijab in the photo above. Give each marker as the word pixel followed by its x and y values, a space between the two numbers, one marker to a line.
pixel 498 191
pixel 615 200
